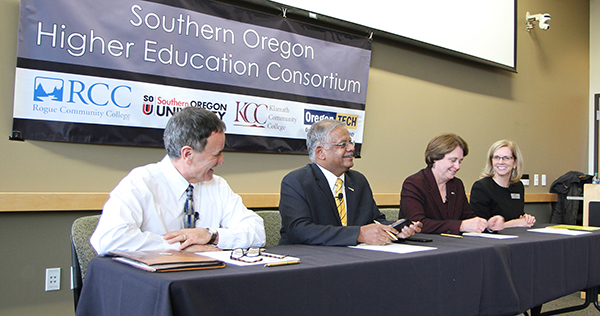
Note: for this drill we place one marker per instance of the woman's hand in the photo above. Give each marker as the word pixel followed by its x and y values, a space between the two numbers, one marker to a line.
pixel 473 225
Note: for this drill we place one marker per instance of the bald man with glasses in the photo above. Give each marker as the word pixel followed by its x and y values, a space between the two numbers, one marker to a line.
pixel 326 203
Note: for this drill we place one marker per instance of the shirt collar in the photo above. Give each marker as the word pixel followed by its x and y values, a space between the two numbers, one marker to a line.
pixel 178 183
pixel 332 178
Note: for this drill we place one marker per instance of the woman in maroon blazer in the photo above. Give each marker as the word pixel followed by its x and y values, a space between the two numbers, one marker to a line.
pixel 436 198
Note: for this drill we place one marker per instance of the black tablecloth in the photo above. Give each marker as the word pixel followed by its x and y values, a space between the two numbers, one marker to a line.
pixel 468 276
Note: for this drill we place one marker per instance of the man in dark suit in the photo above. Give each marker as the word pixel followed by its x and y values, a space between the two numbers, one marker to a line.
pixel 309 197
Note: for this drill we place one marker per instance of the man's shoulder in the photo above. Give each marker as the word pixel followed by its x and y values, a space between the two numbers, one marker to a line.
pixel 355 175
pixel 216 181
pixel 301 172
pixel 143 172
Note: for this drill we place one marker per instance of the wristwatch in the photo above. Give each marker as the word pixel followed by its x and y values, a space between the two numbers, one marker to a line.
pixel 213 235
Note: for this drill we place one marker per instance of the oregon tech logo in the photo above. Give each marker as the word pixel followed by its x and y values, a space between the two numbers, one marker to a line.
pixel 48 89
pixel 313 116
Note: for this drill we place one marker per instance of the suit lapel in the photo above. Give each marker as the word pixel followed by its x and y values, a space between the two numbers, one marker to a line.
pixel 351 203
pixel 451 196
pixel 434 192
pixel 325 190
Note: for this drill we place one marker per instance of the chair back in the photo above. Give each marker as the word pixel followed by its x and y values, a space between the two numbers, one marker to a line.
pixel 81 250
pixel 391 214
pixel 272 221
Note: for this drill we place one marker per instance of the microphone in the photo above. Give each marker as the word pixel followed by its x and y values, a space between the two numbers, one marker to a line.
pixel 340 196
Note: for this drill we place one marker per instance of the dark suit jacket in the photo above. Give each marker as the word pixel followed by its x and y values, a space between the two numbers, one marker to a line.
pixel 420 200
pixel 309 214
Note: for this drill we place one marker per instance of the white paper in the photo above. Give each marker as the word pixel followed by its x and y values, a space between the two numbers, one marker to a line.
pixel 558 231
pixel 224 256
pixel 487 235
pixel 393 247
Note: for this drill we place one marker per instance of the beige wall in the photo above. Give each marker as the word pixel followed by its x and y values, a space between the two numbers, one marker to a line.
pixel 412 95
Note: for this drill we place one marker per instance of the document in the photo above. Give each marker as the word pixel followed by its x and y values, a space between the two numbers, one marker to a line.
pixel 575 227
pixel 558 231
pixel 224 256
pixel 166 260
pixel 393 247
pixel 487 235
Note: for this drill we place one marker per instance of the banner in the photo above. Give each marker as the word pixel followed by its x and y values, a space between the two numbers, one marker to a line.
pixel 114 72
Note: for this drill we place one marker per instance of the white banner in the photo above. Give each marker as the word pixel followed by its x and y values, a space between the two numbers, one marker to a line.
pixel 117 77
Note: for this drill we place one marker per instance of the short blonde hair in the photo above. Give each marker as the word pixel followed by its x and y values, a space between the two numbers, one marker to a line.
pixel 517 172
pixel 442 144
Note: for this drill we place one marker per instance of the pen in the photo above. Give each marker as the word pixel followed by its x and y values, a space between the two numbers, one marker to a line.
pixel 451 235
pixel 284 263
pixel 388 232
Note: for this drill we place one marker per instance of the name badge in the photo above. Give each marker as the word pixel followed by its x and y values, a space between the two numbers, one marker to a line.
pixel 515 196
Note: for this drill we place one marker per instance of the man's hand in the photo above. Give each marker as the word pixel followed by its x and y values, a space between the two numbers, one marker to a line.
pixel 188 237
pixel 376 234
pixel 202 248
pixel 473 225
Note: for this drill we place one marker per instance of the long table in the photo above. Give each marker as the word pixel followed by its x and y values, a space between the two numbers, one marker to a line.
pixel 467 276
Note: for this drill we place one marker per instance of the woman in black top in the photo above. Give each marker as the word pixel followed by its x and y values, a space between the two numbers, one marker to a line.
pixel 500 191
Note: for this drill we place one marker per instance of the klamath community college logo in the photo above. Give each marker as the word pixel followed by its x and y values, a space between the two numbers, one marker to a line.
pixel 48 89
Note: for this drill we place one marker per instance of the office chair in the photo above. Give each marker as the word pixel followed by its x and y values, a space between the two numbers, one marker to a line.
pixel 272 221
pixel 81 250
pixel 391 214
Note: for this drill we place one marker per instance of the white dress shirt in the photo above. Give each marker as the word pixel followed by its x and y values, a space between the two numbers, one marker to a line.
pixel 149 202
pixel 332 179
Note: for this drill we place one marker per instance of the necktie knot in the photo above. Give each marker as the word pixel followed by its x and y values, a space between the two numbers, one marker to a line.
pixel 338 184
pixel 190 192
pixel 189 220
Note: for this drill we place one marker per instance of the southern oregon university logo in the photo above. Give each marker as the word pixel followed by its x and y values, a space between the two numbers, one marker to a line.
pixel 48 89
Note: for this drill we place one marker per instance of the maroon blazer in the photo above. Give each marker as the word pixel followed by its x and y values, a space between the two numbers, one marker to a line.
pixel 420 200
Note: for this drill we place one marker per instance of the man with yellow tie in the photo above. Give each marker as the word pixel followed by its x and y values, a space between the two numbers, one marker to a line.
pixel 326 203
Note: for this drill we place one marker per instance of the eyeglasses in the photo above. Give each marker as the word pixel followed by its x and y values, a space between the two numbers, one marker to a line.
pixel 239 254
pixel 344 145
pixel 504 158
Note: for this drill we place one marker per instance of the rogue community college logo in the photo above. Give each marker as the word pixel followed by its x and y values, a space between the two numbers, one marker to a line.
pixel 48 89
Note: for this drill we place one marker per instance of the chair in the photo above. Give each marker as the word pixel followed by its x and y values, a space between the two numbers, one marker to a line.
pixel 81 250
pixel 272 221
pixel 391 214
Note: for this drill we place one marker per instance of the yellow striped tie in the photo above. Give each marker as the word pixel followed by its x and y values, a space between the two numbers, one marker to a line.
pixel 340 202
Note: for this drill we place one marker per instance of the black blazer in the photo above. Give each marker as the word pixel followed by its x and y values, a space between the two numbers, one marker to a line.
pixel 309 214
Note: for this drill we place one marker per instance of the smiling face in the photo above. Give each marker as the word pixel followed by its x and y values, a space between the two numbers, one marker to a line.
pixel 199 165
pixel 503 162
pixel 334 158
pixel 447 167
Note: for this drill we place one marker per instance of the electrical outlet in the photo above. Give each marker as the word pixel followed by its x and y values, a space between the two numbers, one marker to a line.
pixel 536 180
pixel 543 180
pixel 52 279
pixel 525 179
pixel 72 278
